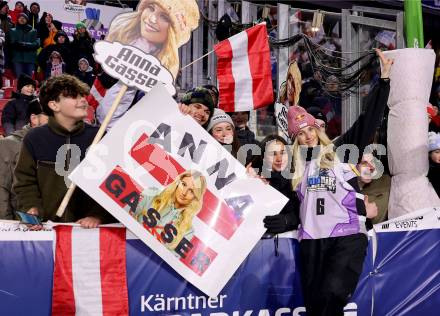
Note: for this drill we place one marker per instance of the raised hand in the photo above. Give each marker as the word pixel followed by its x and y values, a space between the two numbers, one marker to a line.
pixel 385 64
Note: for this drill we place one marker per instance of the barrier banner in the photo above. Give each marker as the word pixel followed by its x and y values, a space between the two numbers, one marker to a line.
pixel 96 17
pixel 177 189
pixel 403 280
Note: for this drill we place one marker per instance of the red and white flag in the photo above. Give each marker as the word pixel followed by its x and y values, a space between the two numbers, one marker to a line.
pixel 244 70
pixel 90 272
pixel 97 93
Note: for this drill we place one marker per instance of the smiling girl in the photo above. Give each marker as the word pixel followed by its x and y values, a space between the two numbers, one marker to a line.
pixel 332 218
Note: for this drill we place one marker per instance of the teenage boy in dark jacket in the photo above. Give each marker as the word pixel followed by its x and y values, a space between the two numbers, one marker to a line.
pixel 14 114
pixel 39 188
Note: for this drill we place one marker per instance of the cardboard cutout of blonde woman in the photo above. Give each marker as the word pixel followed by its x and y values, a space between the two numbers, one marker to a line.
pixel 158 28
pixel 288 96
pixel 174 208
pixel 291 88
pixel 410 80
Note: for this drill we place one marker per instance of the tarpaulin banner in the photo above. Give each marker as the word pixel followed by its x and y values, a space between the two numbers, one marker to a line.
pixel 401 276
pixel 96 17
pixel 177 189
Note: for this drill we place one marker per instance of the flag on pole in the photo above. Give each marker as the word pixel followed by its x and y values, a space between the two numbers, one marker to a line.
pixel 244 70
pixel 90 272
pixel 413 23
pixel 97 93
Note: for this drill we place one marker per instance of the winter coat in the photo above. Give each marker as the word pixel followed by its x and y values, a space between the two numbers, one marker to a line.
pixel 43 30
pixel 63 49
pixel 14 14
pixel 82 47
pixel 378 191
pixel 24 43
pixel 9 149
pixel 245 136
pixel 33 20
pixel 284 186
pixel 434 176
pixel 86 76
pixel 363 130
pixel 14 115
pixel 37 184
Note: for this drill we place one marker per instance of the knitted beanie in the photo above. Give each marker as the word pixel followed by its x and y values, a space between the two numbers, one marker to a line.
pixel 298 118
pixel 184 15
pixel 25 80
pixel 80 25
pixel 23 15
pixel 219 116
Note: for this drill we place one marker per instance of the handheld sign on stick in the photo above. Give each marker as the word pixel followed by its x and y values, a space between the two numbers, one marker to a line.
pixel 141 50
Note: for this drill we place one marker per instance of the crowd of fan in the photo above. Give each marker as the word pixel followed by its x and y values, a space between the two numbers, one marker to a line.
pixel 35 48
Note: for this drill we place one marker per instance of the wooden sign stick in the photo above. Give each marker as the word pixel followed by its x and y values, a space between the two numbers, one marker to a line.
pixel 97 138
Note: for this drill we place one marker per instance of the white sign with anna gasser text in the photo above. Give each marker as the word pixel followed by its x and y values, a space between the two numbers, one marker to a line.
pixel 132 66
pixel 177 189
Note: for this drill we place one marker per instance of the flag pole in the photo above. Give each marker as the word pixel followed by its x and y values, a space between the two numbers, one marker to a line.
pixel 194 61
pixel 97 138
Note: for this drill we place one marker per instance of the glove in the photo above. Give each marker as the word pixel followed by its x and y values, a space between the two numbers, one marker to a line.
pixel 280 223
pixel 275 224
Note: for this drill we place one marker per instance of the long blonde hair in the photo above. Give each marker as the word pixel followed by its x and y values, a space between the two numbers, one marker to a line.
pixel 167 197
pixel 327 157
pixel 294 72
pixel 125 29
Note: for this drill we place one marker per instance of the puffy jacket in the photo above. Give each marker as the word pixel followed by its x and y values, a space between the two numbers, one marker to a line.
pixel 14 115
pixel 86 76
pixel 9 149
pixel 24 44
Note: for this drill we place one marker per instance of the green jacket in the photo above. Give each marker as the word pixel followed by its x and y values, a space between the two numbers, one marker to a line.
pixel 378 191
pixel 36 182
pixel 9 149
pixel 24 43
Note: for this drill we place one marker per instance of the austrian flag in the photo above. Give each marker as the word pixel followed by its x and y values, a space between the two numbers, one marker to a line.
pixel 244 70
pixel 90 272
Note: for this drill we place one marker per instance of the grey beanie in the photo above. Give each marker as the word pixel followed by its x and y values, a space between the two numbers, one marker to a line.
pixel 219 116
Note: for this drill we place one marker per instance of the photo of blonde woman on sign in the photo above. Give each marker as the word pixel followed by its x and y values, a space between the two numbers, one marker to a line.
pixel 168 215
pixel 157 27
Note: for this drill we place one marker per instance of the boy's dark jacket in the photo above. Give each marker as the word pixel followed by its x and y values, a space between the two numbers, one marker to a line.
pixel 14 115
pixel 36 183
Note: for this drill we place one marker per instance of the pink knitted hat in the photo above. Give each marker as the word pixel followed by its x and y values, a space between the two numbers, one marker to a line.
pixel 298 118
